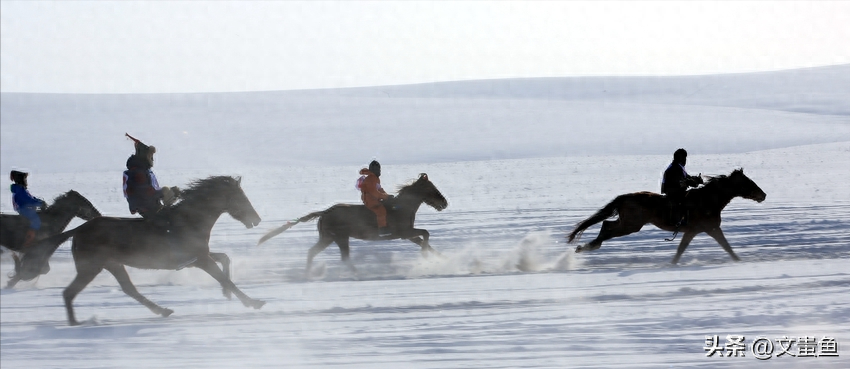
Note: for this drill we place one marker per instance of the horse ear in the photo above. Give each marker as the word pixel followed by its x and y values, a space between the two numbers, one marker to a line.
pixel 239 180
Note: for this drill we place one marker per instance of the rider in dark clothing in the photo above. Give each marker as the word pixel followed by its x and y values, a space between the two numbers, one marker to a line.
pixel 675 184
pixel 143 193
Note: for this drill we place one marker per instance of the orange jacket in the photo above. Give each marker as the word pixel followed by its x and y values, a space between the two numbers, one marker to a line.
pixel 370 189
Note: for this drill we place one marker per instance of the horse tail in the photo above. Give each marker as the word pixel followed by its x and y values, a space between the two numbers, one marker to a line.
pixel 606 212
pixel 289 224
pixel 37 255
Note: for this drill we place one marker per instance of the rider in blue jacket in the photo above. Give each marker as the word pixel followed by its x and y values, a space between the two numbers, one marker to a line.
pixel 26 204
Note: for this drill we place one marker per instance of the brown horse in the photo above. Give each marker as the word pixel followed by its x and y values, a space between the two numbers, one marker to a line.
pixel 638 209
pixel 54 219
pixel 111 243
pixel 340 222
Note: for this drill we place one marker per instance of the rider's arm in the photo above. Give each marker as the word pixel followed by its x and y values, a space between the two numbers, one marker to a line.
pixel 370 188
pixel 24 198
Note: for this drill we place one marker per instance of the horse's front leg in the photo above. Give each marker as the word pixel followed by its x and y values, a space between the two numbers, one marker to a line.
pixel 686 240
pixel 224 260
pixel 208 265
pixel 717 235
pixel 420 237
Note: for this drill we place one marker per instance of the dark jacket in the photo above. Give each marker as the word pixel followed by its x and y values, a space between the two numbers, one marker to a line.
pixel 676 182
pixel 141 189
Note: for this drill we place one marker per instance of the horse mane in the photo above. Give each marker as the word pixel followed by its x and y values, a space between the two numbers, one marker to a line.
pixel 204 188
pixel 715 182
pixel 405 187
pixel 58 199
pixel 401 189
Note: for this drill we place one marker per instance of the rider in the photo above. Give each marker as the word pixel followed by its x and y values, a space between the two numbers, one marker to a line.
pixel 141 189
pixel 675 185
pixel 373 195
pixel 26 204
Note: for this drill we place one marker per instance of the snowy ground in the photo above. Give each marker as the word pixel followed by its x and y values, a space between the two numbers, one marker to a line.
pixel 509 293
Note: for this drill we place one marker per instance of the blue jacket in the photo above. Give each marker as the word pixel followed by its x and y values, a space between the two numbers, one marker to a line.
pixel 21 198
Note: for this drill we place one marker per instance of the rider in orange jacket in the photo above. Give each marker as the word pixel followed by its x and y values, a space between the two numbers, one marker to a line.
pixel 373 195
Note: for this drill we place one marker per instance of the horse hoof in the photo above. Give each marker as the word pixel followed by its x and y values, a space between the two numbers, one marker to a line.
pixel 73 323
pixel 227 294
pixel 257 304
pixel 166 312
pixel 578 249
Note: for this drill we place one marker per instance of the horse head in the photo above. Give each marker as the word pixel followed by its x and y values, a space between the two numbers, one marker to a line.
pixel 72 204
pixel 239 207
pixel 84 208
pixel 424 190
pixel 745 186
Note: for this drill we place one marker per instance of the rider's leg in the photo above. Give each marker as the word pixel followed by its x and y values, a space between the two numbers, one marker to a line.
pixel 35 225
pixel 381 213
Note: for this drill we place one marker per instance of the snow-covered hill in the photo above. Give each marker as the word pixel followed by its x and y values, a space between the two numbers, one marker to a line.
pixel 443 122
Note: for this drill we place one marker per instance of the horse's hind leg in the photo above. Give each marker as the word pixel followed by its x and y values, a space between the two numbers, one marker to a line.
pixel 224 260
pixel 610 229
pixel 14 277
pixel 208 265
pixel 127 286
pixel 322 244
pixel 717 235
pixel 83 278
pixel 345 252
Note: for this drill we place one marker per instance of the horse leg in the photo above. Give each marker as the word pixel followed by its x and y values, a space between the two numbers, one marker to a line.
pixel 717 235
pixel 421 239
pixel 683 244
pixel 224 260
pixel 84 277
pixel 344 251
pixel 120 273
pixel 208 265
pixel 322 244
pixel 14 277
pixel 610 229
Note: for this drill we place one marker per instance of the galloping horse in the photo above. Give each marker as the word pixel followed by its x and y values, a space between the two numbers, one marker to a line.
pixel 638 209
pixel 54 219
pixel 341 221
pixel 111 243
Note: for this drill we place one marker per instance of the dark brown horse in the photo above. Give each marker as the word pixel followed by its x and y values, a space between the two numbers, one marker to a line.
pixel 54 219
pixel 341 221
pixel 111 243
pixel 638 209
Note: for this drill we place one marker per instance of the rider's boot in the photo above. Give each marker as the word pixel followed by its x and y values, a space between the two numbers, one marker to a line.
pixel 384 231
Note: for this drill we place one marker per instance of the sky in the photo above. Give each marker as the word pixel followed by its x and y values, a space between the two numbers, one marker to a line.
pixel 196 46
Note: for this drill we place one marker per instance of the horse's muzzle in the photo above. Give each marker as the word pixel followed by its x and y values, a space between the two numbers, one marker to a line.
pixel 252 223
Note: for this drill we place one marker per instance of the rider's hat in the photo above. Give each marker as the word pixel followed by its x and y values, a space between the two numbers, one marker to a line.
pixel 375 167
pixel 19 177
